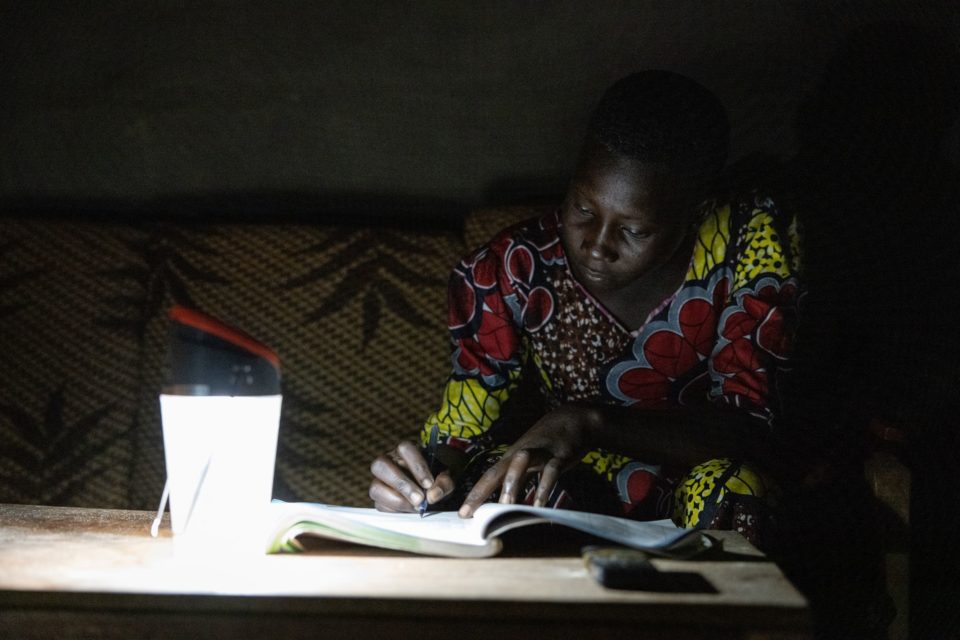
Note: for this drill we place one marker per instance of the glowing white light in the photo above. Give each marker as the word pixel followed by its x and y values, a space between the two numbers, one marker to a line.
pixel 220 453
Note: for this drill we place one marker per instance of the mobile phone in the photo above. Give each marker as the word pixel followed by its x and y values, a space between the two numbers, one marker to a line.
pixel 631 569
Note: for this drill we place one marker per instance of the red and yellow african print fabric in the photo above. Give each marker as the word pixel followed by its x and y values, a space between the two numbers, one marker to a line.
pixel 722 338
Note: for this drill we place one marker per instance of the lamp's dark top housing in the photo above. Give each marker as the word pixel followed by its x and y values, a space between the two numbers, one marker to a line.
pixel 209 358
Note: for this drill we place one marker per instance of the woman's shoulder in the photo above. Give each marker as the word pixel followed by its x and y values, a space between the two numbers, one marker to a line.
pixel 738 213
pixel 747 230
pixel 538 236
pixel 483 224
pixel 740 206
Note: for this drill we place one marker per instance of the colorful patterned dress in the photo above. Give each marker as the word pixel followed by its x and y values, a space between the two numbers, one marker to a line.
pixel 723 338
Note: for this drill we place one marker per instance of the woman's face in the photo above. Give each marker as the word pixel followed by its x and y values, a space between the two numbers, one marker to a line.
pixel 622 220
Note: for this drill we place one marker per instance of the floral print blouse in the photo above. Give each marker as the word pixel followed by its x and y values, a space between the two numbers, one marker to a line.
pixel 721 338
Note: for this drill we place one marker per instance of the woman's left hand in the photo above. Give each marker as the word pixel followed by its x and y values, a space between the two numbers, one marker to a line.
pixel 551 445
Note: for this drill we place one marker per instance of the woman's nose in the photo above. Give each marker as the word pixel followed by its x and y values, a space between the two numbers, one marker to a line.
pixel 598 245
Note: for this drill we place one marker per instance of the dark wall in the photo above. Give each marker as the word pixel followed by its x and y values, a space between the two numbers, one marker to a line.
pixel 275 109
pixel 378 106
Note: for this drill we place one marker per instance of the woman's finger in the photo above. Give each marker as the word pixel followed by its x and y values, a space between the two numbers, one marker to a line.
pixel 394 456
pixel 482 490
pixel 386 499
pixel 415 463
pixel 548 480
pixel 386 471
pixel 443 486
pixel 514 477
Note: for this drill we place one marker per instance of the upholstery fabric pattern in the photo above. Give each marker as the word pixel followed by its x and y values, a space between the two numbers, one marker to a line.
pixel 357 315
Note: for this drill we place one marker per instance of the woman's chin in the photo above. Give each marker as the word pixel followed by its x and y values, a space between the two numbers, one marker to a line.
pixel 595 281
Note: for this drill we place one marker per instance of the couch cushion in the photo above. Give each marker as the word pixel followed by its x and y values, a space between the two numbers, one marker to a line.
pixel 357 315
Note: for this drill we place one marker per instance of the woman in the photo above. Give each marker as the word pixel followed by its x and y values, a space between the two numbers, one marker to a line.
pixel 657 316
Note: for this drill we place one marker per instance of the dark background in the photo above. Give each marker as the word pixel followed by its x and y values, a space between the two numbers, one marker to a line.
pixel 280 108
pixel 403 112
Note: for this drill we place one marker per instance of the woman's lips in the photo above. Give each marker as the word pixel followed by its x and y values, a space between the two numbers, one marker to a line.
pixel 593 274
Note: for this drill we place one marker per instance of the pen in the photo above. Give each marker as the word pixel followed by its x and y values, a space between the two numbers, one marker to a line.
pixel 431 459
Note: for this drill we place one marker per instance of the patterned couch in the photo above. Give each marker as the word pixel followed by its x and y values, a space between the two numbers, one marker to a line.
pixel 356 313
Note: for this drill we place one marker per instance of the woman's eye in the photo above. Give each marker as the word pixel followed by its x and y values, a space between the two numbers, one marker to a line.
pixel 633 233
pixel 584 211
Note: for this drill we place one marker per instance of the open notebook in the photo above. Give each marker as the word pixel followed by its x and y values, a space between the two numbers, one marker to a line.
pixel 446 534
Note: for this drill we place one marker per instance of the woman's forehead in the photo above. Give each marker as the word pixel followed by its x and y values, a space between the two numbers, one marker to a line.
pixel 628 181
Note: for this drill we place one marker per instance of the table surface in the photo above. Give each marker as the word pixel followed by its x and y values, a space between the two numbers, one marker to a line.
pixel 89 570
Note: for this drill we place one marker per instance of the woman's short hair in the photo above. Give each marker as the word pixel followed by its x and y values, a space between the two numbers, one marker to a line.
pixel 662 117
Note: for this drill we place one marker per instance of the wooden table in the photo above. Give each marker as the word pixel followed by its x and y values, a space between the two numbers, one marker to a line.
pixel 97 573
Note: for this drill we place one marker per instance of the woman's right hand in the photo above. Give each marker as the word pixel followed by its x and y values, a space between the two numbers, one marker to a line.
pixel 402 477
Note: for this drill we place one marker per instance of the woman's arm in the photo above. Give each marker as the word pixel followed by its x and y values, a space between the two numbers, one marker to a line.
pixel 486 366
pixel 683 437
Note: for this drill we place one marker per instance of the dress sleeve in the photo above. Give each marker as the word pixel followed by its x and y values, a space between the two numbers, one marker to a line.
pixel 484 316
pixel 758 323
